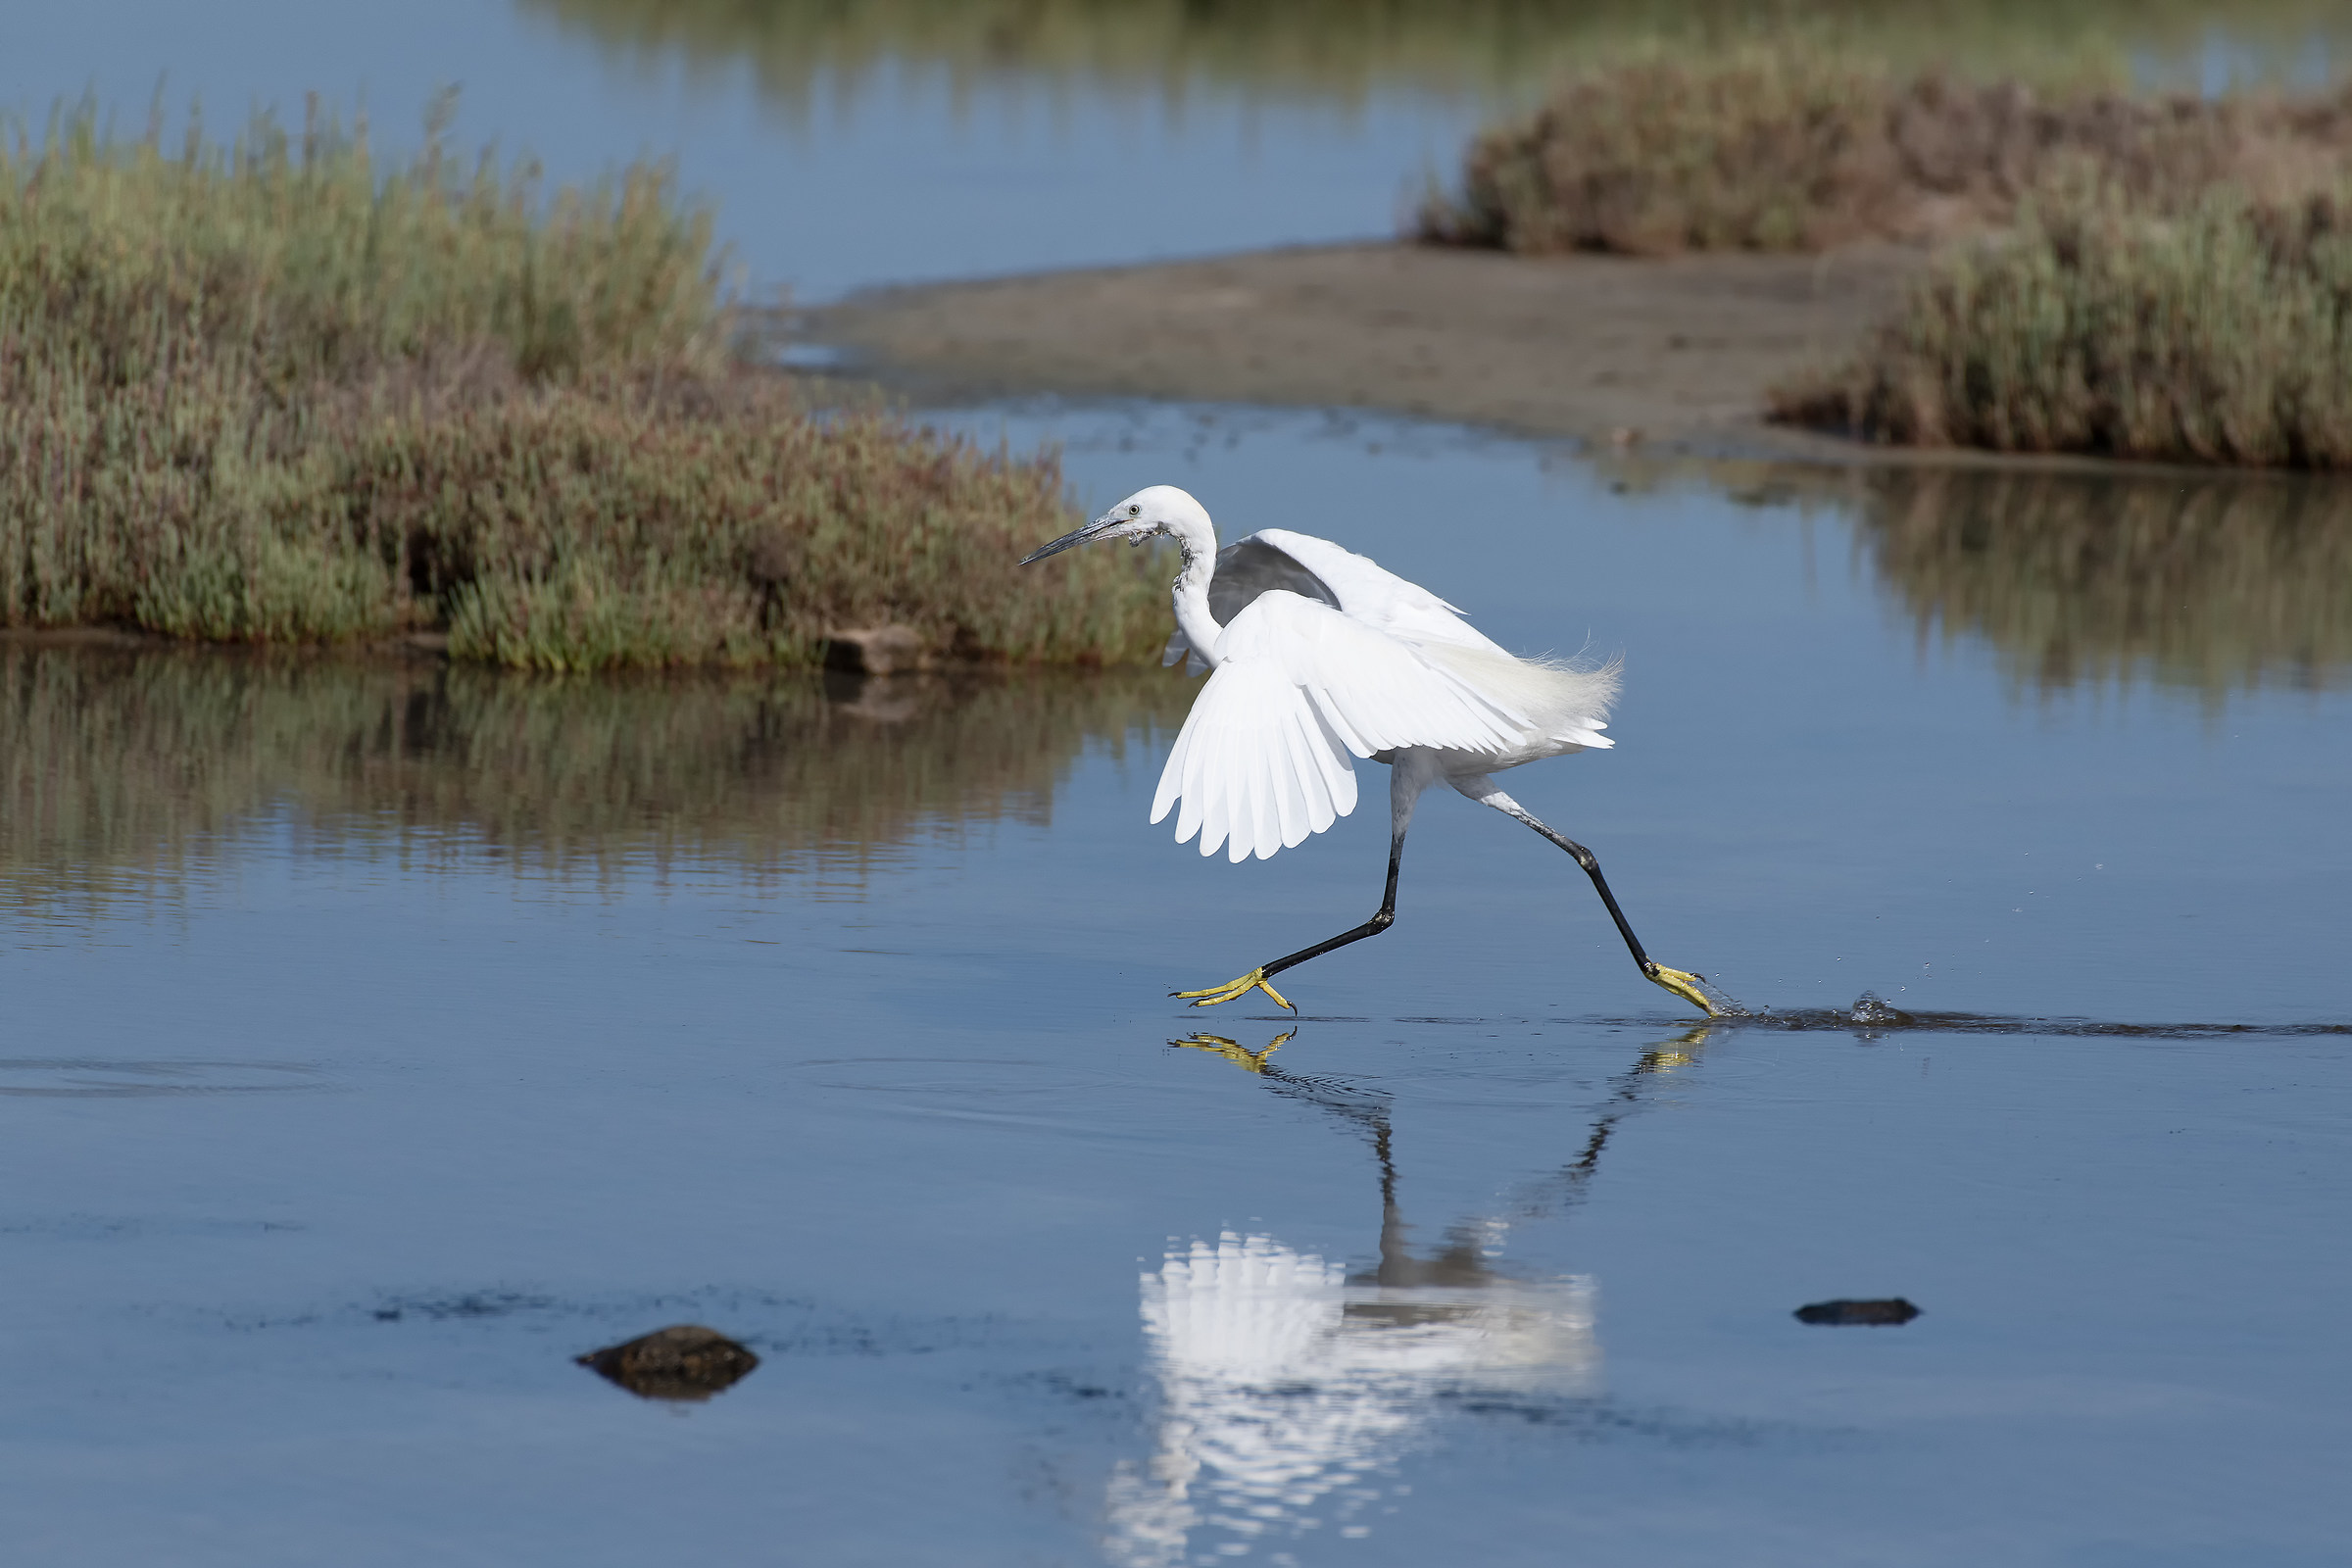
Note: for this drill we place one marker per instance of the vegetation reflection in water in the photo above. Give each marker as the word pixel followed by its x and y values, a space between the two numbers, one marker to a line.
pixel 2210 585
pixel 120 771
pixel 1290 1386
pixel 1344 49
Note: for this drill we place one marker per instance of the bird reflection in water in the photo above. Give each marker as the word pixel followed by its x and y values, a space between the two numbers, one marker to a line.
pixel 1290 1386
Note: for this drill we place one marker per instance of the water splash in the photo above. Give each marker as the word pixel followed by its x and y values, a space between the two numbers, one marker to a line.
pixel 1872 1009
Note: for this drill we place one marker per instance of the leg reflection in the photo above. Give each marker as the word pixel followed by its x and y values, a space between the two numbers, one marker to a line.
pixel 1292 1386
pixel 1234 1051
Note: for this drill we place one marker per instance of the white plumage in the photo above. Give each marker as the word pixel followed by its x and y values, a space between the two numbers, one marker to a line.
pixel 1318 657
pixel 1300 688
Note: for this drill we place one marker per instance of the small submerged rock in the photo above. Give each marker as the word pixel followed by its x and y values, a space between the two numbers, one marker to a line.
pixel 1889 1312
pixel 684 1361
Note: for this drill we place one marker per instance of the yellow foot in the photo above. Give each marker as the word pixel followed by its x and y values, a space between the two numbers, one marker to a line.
pixel 1232 990
pixel 1683 985
pixel 1233 1050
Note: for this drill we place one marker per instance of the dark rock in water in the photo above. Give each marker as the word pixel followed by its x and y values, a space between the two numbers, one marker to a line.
pixel 1842 1313
pixel 685 1361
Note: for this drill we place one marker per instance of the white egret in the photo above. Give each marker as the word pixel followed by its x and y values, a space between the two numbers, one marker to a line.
pixel 1317 657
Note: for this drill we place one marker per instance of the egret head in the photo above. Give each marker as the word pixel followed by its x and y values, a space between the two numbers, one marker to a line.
pixel 1155 510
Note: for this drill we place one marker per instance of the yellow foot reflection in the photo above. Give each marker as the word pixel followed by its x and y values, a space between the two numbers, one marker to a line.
pixel 1232 990
pixel 1680 1051
pixel 1233 1051
pixel 1684 984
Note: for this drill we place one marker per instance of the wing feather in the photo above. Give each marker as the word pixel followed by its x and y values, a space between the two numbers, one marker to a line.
pixel 1372 594
pixel 1265 755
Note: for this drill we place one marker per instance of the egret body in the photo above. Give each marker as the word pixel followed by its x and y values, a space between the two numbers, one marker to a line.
pixel 1317 657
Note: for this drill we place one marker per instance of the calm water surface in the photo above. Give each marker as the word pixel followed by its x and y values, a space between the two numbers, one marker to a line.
pixel 379 1039
pixel 903 168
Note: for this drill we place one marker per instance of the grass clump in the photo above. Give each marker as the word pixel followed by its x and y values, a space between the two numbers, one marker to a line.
pixel 268 392
pixel 1787 148
pixel 719 521
pixel 2222 335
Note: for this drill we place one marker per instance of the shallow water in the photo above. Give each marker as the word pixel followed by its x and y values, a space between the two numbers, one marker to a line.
pixel 381 1037
pixel 904 168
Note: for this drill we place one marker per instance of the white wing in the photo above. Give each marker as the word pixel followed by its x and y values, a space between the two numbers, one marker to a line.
pixel 1317 569
pixel 1568 702
pixel 1263 758
pixel 1377 596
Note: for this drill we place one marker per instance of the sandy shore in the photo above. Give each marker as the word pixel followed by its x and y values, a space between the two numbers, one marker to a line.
pixel 1674 355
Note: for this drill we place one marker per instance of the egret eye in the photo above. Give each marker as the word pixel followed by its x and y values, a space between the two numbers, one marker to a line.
pixel 1135 511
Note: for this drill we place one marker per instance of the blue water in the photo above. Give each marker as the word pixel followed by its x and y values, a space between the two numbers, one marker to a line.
pixel 897 177
pixel 375 1042
pixel 336 1129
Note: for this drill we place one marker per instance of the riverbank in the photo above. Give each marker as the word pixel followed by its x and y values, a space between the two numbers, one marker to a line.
pixel 1667 357
pixel 1674 355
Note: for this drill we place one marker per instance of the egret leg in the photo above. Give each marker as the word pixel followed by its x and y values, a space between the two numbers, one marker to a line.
pixel 1255 979
pixel 1682 983
pixel 1411 772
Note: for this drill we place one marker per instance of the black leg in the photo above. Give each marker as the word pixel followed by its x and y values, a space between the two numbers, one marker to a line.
pixel 1600 884
pixel 1382 920
pixel 1682 984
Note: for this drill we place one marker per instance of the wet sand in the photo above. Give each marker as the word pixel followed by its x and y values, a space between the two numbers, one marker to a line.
pixel 1676 355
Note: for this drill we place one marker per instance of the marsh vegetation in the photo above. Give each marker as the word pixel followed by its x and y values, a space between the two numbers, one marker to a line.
pixel 1783 147
pixel 2156 276
pixel 271 391
pixel 2218 334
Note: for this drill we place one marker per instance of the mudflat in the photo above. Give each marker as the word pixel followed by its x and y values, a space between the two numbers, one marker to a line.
pixel 1674 353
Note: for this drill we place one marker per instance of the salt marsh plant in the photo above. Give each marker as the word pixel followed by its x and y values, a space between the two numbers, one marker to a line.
pixel 2221 334
pixel 1787 147
pixel 273 392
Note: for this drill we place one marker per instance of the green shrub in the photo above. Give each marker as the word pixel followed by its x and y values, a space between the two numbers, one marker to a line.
pixel 2222 335
pixel 269 393
pixel 719 521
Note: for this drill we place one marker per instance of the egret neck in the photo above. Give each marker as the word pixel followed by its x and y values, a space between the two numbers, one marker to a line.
pixel 1197 539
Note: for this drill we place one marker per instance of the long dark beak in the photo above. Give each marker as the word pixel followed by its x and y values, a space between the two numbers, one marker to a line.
pixel 1068 541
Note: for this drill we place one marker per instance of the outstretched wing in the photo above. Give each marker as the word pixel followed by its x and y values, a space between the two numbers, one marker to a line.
pixel 1245 569
pixel 1264 757
pixel 1372 594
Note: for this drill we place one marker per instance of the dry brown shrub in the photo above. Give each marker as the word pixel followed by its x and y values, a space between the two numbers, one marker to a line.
pixel 1769 148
